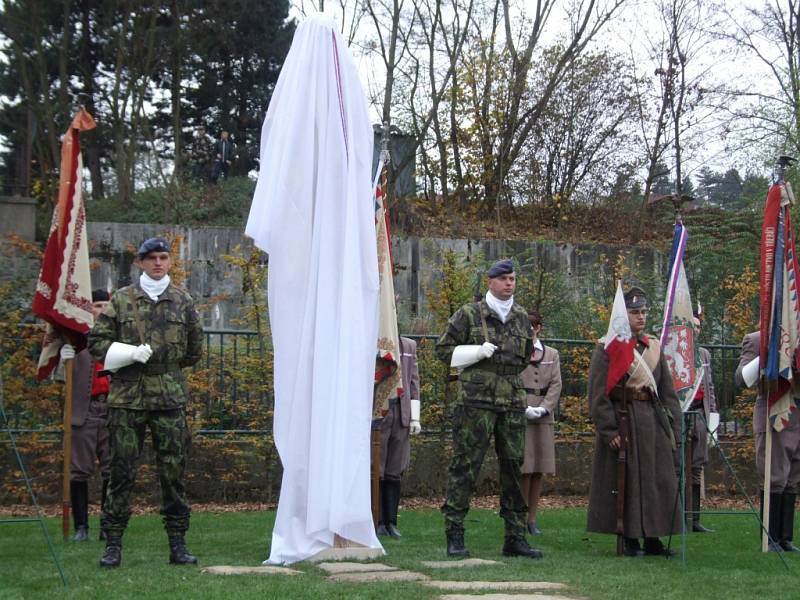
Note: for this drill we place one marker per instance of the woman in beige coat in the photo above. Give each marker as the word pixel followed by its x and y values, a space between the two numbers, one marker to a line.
pixel 542 381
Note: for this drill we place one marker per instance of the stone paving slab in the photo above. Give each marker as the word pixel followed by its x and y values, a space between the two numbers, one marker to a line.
pixel 503 597
pixel 379 576
pixel 351 567
pixel 264 570
pixel 507 586
pixel 455 564
pixel 346 553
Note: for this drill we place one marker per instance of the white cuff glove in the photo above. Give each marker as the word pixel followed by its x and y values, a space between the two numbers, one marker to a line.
pixel 67 352
pixel 142 353
pixel 713 426
pixel 532 413
pixel 486 350
pixel 414 426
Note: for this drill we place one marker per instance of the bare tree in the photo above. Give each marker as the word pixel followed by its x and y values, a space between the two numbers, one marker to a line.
pixel 766 115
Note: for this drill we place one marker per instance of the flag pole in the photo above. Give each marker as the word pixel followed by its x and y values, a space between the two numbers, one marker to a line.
pixel 783 162
pixel 767 484
pixel 65 491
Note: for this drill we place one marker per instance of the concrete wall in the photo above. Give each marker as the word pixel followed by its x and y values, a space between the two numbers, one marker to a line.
pixel 215 283
pixel 18 215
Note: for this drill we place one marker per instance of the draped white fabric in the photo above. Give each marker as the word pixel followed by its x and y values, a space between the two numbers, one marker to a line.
pixel 313 213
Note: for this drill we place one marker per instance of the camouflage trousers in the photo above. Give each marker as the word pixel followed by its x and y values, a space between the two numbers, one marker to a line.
pixel 472 430
pixel 171 438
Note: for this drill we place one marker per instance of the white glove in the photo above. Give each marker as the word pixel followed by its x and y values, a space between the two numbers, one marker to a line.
pixel 67 352
pixel 142 353
pixel 486 350
pixel 713 426
pixel 414 427
pixel 533 413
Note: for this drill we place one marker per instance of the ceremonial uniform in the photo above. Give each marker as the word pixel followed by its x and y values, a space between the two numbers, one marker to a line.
pixel 705 403
pixel 395 437
pixel 149 394
pixel 542 381
pixel 491 401
pixel 785 467
pixel 653 423
pixel 89 437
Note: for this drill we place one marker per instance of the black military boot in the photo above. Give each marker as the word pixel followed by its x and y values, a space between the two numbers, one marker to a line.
pixel 455 545
pixel 178 554
pixel 79 498
pixel 520 547
pixel 787 523
pixel 655 547
pixel 380 529
pixel 774 525
pixel 631 547
pixel 697 527
pixel 112 557
pixel 775 521
pixel 392 489
pixel 103 493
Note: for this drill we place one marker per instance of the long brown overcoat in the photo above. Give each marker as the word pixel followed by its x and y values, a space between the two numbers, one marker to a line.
pixel 651 482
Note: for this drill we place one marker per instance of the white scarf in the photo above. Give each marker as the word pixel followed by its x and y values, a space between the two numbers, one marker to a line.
pixel 153 287
pixel 501 307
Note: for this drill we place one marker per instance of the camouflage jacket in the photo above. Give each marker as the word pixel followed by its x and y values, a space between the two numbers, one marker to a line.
pixel 172 328
pixel 491 383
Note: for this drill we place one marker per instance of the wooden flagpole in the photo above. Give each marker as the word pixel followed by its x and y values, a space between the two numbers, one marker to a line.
pixel 65 492
pixel 767 483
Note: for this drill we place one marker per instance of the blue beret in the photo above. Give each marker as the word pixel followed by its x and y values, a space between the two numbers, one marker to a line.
pixel 635 298
pixel 501 267
pixel 155 244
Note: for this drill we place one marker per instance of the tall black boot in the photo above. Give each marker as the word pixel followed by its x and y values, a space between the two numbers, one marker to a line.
pixel 775 517
pixel 79 498
pixel 787 522
pixel 103 492
pixel 696 526
pixel 382 519
pixel 392 488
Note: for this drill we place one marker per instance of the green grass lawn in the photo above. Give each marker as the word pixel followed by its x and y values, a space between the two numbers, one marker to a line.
pixel 726 564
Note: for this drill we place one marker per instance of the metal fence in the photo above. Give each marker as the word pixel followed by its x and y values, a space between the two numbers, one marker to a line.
pixel 229 403
pixel 225 348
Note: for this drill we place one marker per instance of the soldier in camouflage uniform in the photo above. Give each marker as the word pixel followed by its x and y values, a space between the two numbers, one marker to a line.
pixel 491 342
pixel 155 328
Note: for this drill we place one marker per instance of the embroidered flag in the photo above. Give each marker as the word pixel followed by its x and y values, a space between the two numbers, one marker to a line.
pixel 388 380
pixel 63 295
pixel 678 332
pixel 619 342
pixel 780 311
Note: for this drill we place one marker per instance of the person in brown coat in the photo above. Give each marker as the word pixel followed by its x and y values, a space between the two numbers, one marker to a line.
pixel 654 421
pixel 401 420
pixel 542 381
pixel 785 462
pixel 704 403
pixel 89 427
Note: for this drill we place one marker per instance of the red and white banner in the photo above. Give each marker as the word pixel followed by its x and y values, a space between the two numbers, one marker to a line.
pixel 619 342
pixel 63 295
pixel 780 306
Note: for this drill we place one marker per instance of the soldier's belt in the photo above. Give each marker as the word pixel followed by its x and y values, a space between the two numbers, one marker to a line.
pixel 393 402
pixel 537 391
pixel 502 369
pixel 642 395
